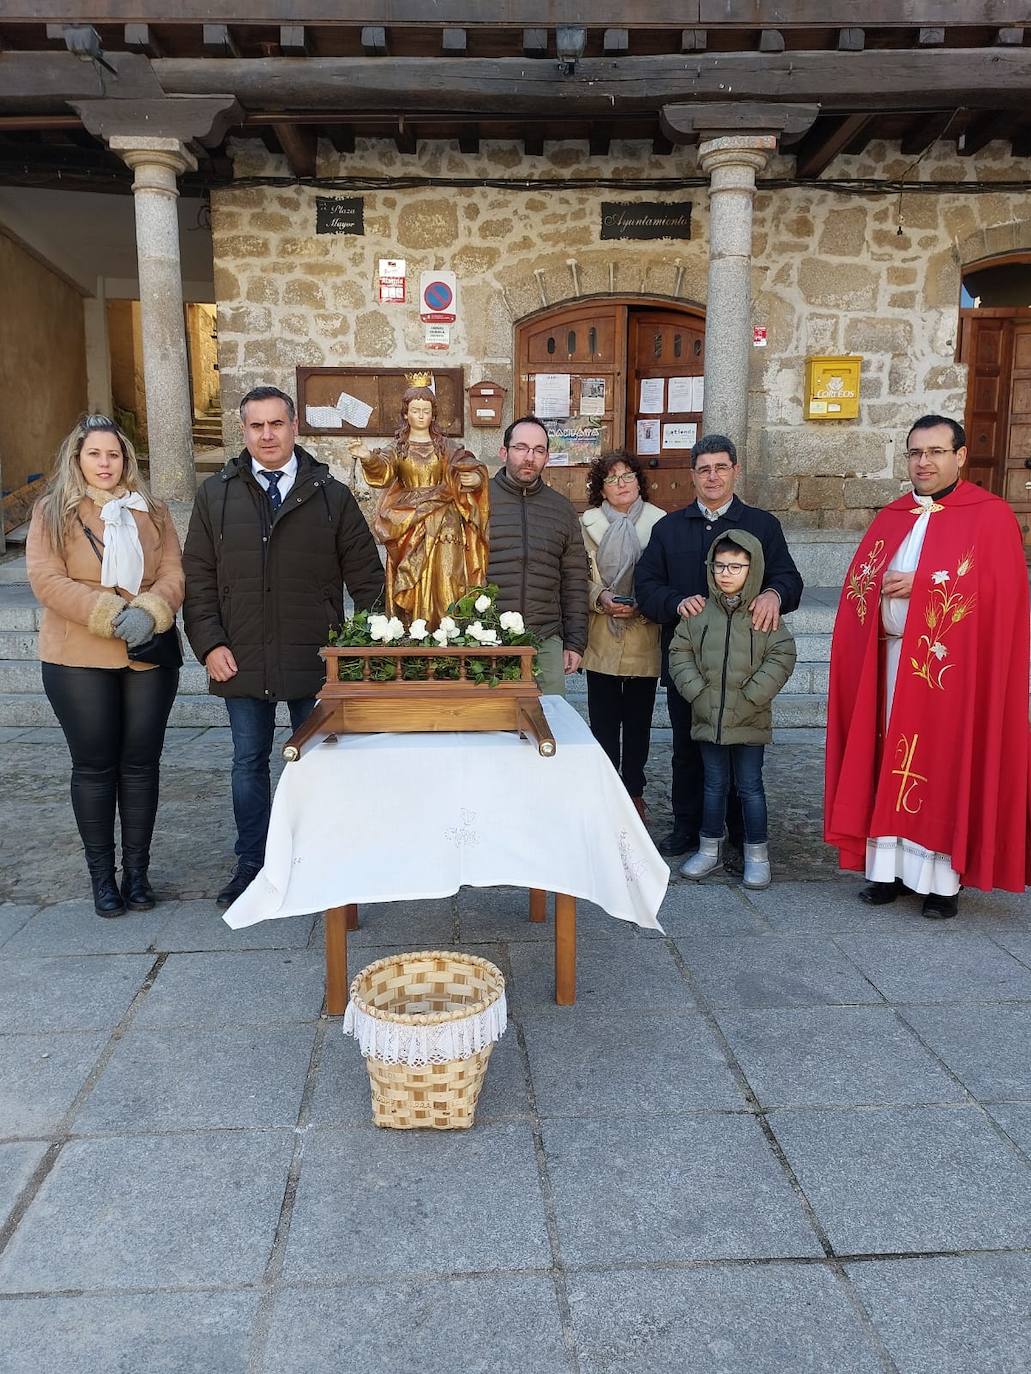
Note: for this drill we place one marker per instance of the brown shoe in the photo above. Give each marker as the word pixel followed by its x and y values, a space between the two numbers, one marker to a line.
pixel 642 810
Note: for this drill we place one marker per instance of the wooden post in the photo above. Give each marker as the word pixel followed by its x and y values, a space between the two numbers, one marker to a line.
pixel 538 905
pixel 565 949
pixel 338 921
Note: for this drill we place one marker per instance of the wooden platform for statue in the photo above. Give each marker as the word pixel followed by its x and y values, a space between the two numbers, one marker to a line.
pixel 398 705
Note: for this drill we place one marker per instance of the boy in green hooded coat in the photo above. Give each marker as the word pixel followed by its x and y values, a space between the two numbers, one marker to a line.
pixel 730 673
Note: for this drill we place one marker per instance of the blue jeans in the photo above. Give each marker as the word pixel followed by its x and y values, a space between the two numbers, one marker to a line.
pixel 253 723
pixel 746 761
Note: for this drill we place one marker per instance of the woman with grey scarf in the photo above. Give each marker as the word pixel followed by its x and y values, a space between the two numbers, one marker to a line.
pixel 622 658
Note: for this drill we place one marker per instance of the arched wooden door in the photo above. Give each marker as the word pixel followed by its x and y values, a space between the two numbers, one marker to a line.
pixel 601 361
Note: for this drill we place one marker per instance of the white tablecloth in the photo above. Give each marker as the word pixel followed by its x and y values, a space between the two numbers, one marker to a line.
pixel 382 818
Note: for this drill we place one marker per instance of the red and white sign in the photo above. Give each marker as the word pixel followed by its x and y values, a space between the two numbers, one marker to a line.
pixel 759 336
pixel 392 280
pixel 438 297
pixel 438 336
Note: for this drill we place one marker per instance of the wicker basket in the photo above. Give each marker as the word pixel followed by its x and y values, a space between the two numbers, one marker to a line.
pixel 407 1012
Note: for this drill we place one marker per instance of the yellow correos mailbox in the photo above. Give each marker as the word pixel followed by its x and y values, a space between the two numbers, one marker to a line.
pixel 832 388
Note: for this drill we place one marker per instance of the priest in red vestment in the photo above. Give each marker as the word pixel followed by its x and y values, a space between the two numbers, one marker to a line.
pixel 928 773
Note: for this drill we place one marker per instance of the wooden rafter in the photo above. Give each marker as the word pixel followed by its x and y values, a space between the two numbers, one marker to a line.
pixel 300 145
pixel 825 141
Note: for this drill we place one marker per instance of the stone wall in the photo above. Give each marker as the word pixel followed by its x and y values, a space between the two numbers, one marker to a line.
pixel 830 275
pixel 42 359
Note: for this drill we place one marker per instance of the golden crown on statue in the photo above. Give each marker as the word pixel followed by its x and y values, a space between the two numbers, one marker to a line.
pixel 419 378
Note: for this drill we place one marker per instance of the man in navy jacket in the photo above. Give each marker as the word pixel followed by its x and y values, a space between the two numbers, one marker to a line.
pixel 671 582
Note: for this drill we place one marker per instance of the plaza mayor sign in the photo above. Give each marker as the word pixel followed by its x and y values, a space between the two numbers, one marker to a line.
pixel 646 219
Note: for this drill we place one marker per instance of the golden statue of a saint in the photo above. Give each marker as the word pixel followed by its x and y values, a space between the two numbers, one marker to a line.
pixel 432 512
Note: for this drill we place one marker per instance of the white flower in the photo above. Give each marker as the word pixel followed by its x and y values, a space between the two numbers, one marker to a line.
pixel 488 636
pixel 394 630
pixel 417 630
pixel 475 631
pixel 378 627
pixel 940 577
pixel 513 622
pixel 481 604
pixel 939 650
pixel 440 636
pixel 450 628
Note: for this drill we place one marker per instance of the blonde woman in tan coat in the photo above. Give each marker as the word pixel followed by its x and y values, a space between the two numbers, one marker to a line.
pixel 622 659
pixel 104 561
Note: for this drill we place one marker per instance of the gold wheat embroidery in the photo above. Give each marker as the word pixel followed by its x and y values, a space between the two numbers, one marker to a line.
pixel 904 753
pixel 863 578
pixel 944 609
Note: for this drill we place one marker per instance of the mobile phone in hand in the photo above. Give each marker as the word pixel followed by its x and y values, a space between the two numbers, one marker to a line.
pixel 624 601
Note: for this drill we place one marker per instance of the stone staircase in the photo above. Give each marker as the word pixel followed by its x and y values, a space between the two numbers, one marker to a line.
pixel 822 557
pixel 207 430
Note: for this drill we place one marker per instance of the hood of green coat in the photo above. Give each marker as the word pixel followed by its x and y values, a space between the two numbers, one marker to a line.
pixel 756 573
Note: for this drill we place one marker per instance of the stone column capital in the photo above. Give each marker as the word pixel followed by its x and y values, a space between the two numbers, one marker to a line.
pixel 740 153
pixel 157 162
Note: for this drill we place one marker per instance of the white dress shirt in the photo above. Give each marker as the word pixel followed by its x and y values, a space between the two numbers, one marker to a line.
pixel 289 471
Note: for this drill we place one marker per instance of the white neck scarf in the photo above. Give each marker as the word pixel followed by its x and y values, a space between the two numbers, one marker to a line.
pixel 123 552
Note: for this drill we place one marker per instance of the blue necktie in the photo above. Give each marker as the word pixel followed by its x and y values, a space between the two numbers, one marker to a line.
pixel 275 499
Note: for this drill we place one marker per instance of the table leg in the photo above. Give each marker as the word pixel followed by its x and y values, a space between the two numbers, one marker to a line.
pixel 565 949
pixel 352 915
pixel 538 904
pixel 338 920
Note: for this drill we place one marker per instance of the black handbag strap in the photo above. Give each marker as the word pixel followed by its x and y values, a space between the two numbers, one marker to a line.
pixel 95 543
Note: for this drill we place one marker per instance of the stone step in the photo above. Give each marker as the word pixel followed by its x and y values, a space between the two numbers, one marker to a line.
pixel 822 556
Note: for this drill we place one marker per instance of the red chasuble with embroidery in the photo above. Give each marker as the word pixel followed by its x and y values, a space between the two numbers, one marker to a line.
pixel 951 768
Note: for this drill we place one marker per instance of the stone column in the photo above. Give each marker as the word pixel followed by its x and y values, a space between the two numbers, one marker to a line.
pixel 157 162
pixel 732 163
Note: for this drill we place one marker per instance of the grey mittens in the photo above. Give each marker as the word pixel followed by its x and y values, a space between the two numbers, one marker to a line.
pixel 134 625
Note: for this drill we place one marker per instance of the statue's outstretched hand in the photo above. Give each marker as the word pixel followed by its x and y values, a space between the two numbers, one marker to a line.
pixel 357 448
pixel 469 480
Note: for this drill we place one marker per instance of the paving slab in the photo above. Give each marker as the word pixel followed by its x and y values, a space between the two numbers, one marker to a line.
pixel 589 1063
pixel 1015 1120
pixel 710 909
pixel 769 971
pixel 639 975
pixel 191 927
pixel 152 1211
pixel 252 988
pixel 73 928
pixel 40 1077
pixel 718 1319
pixel 13 916
pixel 849 1056
pixel 902 1179
pixel 185 1080
pixel 655 1189
pixel 964 1314
pixel 1015 938
pixel 342 1095
pixel 160 1333
pixel 800 908
pixel 503 913
pixel 18 1162
pixel 491 1324
pixel 79 993
pixel 958 967
pixel 377 1203
pixel 411 925
pixel 987 1048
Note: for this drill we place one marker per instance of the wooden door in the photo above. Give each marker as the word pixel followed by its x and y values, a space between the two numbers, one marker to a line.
pixel 666 351
pixel 987 352
pixel 586 343
pixel 1017 475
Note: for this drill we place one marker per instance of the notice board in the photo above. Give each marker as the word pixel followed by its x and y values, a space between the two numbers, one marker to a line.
pixel 380 390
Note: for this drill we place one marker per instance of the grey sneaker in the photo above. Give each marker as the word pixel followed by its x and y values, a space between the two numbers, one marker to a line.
pixel 706 859
pixel 757 866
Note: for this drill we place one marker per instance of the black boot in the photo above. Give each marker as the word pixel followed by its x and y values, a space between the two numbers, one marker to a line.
pixel 107 900
pixel 137 892
pixel 240 881
pixel 882 894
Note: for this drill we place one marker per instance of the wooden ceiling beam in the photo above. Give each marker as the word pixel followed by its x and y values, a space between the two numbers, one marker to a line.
pixel 219 41
pixel 300 144
pixel 925 131
pixel 771 40
pixel 982 131
pixel 535 42
pixel 454 41
pixel 600 140
pixel 693 40
pixel 142 39
pixel 374 41
pixel 825 141
pixel 404 138
pixel 469 139
pixel 851 40
pixel 616 42
pixel 533 145
pixel 293 40
pixel 931 38
pixel 1010 38
pixel 340 136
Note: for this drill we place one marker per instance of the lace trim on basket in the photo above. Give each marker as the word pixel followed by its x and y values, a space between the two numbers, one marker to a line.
pixel 418 1045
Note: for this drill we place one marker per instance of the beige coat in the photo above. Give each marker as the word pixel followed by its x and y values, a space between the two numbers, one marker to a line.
pixel 78 615
pixel 636 653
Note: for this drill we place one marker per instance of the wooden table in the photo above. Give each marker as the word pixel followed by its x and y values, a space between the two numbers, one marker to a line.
pixel 341 919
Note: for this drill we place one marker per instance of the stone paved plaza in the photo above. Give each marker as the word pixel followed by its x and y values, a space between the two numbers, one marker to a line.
pixel 790 1134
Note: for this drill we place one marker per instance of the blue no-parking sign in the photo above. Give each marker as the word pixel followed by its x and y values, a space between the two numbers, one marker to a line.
pixel 437 297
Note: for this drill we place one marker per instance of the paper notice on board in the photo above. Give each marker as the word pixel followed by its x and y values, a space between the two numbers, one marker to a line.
pixel 648 436
pixel 322 417
pixel 698 388
pixel 592 396
pixel 681 395
pixel 679 436
pixel 551 395
pixel 354 411
pixel 653 396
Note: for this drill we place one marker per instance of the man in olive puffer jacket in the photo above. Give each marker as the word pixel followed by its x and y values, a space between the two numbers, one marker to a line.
pixel 537 554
